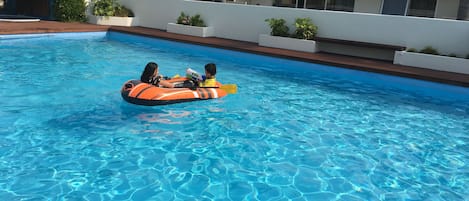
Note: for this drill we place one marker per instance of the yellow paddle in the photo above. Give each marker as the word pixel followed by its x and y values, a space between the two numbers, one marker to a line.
pixel 229 88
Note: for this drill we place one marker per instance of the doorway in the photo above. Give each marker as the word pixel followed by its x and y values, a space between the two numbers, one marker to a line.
pixel 35 8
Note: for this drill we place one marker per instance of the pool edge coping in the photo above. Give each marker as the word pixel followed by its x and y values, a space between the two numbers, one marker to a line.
pixel 342 61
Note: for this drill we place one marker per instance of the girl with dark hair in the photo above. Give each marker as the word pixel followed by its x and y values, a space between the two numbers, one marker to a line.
pixel 151 75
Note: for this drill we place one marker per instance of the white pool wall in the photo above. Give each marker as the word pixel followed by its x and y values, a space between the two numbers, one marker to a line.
pixel 246 22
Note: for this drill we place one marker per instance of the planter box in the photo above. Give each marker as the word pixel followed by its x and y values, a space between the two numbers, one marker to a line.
pixel 435 62
pixel 113 21
pixel 190 30
pixel 288 43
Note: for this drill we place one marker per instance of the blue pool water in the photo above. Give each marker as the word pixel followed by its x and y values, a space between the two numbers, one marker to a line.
pixel 294 130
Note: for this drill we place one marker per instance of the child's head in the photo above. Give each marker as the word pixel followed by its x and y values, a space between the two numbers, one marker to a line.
pixel 150 69
pixel 210 69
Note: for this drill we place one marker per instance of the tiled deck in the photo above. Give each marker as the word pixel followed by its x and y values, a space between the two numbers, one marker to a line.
pixel 324 58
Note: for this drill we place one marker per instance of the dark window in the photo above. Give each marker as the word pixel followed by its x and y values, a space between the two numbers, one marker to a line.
pixel 286 3
pixel 463 12
pixel 301 4
pixel 422 8
pixel 315 4
pixel 394 7
pixel 340 5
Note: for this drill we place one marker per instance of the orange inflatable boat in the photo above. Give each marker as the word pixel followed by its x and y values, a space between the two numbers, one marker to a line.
pixel 137 92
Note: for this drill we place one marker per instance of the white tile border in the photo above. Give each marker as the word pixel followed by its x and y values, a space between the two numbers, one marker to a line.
pixel 190 30
pixel 288 43
pixel 113 21
pixel 435 62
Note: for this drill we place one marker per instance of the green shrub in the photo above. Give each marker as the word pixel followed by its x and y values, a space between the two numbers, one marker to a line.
pixel 305 29
pixel 197 21
pixel 429 50
pixel 452 55
pixel 184 19
pixel 121 11
pixel 277 27
pixel 104 7
pixel 70 10
pixel 467 56
pixel 110 8
pixel 411 50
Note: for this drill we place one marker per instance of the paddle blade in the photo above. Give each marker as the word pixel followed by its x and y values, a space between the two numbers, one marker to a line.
pixel 229 88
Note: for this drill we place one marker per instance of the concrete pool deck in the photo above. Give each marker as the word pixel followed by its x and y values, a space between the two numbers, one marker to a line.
pixel 322 58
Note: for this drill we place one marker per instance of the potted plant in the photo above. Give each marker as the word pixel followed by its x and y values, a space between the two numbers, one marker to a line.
pixel 430 58
pixel 300 40
pixel 190 25
pixel 278 27
pixel 305 29
pixel 70 10
pixel 109 12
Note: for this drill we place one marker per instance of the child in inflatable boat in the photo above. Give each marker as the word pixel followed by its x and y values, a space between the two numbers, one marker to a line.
pixel 154 89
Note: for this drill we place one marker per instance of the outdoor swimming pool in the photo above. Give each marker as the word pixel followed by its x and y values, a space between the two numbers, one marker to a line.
pixel 294 130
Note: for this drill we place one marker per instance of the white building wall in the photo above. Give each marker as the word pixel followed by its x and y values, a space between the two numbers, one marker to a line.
pixel 368 6
pixel 447 9
pixel 158 13
pixel 246 22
